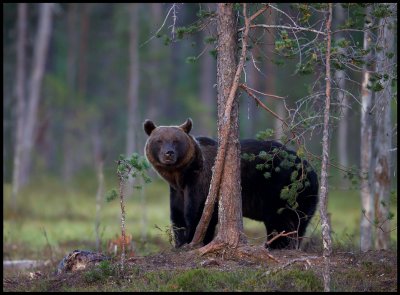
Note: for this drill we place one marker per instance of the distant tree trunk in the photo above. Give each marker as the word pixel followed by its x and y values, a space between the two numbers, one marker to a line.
pixel 383 140
pixel 249 109
pixel 226 171
pixel 340 77
pixel 367 200
pixel 72 66
pixel 99 163
pixel 156 48
pixel 20 95
pixel 133 88
pixel 38 68
pixel 207 90
pixel 83 48
pixel 72 18
pixel 323 196
pixel 270 80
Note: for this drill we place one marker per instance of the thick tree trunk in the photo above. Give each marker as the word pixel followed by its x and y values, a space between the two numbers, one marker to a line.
pixel 20 95
pixel 383 141
pixel 38 68
pixel 228 82
pixel 230 218
pixel 323 196
pixel 367 203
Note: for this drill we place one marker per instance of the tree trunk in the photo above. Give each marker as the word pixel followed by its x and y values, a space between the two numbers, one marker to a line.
pixel 99 164
pixel 230 218
pixel 383 133
pixel 226 178
pixel 38 68
pixel 323 196
pixel 20 95
pixel 270 71
pixel 367 203
pixel 207 90
pixel 340 79
pixel 83 48
pixel 133 90
pixel 72 18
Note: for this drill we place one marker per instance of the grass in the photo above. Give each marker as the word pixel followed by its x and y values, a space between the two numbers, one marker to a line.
pixel 53 217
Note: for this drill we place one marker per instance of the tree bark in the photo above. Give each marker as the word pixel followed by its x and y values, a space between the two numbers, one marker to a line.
pixel 383 141
pixel 39 59
pixel 367 203
pixel 230 218
pixel 20 96
pixel 323 196
pixel 230 227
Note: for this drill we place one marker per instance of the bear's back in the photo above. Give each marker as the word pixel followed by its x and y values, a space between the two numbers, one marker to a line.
pixel 262 194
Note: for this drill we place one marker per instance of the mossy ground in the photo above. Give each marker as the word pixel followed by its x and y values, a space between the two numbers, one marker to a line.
pixel 374 271
pixel 53 220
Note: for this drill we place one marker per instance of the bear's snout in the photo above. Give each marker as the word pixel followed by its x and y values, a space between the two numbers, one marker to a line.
pixel 169 153
pixel 168 156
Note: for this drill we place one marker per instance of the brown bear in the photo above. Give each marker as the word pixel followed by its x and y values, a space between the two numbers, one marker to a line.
pixel 186 164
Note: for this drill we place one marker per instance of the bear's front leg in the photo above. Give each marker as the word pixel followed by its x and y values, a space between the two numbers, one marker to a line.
pixel 177 218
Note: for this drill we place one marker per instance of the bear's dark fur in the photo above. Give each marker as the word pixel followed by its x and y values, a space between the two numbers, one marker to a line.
pixel 186 164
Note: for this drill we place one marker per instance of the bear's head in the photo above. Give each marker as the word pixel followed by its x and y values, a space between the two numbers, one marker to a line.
pixel 169 147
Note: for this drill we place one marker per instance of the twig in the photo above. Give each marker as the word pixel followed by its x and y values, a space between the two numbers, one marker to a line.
pixel 281 234
pixel 165 19
pixel 306 259
pixel 285 27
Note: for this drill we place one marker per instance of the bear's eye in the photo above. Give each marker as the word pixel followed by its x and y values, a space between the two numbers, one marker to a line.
pixel 175 141
pixel 159 141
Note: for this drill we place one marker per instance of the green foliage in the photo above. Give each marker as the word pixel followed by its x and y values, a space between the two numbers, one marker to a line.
pixel 285 45
pixel 134 166
pixel 111 195
pixel 287 161
pixel 265 134
pixel 248 157
pixel 381 10
pixel 191 59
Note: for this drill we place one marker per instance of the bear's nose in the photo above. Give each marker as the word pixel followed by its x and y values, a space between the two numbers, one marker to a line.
pixel 170 153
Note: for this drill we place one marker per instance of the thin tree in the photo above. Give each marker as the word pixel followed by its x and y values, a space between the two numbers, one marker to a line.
pixel 20 96
pixel 38 67
pixel 323 196
pixel 367 199
pixel 133 87
pixel 342 98
pixel 383 142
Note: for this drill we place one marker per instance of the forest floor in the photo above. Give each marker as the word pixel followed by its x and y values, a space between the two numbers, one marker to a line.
pixel 180 270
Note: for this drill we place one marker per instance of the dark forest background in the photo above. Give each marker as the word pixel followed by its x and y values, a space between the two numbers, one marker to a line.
pixel 84 99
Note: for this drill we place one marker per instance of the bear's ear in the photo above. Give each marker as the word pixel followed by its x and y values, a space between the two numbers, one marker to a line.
pixel 149 126
pixel 187 126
